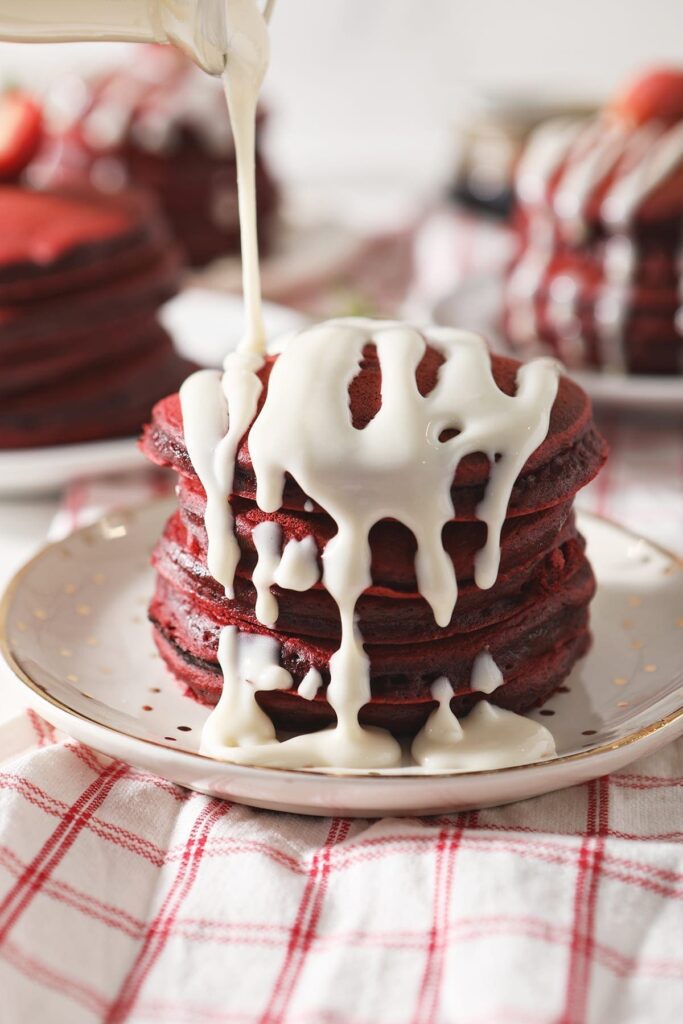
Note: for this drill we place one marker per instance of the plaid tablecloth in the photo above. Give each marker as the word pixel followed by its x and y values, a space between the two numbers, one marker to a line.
pixel 124 898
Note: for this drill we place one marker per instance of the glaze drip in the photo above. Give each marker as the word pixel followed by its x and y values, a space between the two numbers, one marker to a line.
pixel 486 676
pixel 295 569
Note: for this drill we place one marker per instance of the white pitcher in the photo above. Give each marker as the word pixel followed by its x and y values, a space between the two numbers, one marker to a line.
pixel 198 27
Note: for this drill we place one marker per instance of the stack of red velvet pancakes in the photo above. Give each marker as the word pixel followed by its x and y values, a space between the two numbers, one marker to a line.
pixel 533 621
pixel 81 280
pixel 158 123
pixel 598 273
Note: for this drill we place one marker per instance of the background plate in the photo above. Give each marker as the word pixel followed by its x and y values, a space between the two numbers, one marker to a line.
pixel 75 632
pixel 43 470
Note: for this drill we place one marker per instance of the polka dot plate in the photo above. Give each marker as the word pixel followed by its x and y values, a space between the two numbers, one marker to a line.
pixel 75 632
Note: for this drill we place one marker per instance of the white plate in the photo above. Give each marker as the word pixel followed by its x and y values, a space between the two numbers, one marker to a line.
pixel 475 306
pixel 75 633
pixel 205 326
pixel 27 471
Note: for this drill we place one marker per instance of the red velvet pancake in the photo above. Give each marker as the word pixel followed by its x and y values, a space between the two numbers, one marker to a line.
pixel 534 620
pixel 161 124
pixel 596 281
pixel 82 277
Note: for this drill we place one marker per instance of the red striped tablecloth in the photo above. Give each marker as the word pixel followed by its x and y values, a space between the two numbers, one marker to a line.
pixel 124 898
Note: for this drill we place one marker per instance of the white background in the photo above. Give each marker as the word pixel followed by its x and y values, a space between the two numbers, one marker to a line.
pixel 363 88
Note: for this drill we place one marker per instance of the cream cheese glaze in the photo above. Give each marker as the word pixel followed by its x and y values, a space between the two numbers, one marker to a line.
pixel 295 568
pixel 298 567
pixel 486 676
pixel 245 68
pixel 310 684
pixel 401 466
pixel 489 737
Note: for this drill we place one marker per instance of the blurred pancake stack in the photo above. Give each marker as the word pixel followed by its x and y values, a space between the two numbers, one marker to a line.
pixel 160 123
pixel 596 278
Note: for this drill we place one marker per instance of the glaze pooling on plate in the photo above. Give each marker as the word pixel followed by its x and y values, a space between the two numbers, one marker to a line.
pixel 245 69
pixel 410 448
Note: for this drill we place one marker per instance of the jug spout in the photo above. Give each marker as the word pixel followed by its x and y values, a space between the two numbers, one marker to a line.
pixel 198 27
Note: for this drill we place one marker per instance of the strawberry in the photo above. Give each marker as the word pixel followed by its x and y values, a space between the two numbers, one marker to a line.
pixel 20 133
pixel 656 95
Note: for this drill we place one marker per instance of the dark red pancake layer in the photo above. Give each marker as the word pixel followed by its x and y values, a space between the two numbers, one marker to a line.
pixel 82 354
pixel 535 650
pixel 534 620
pixel 313 613
pixel 392 545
